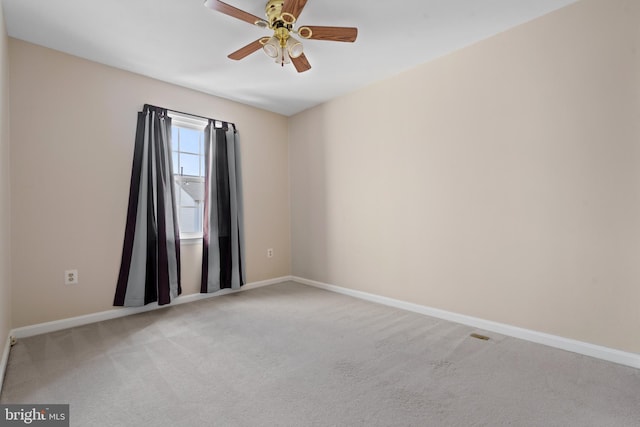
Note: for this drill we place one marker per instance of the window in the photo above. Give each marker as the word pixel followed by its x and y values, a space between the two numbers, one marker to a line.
pixel 187 150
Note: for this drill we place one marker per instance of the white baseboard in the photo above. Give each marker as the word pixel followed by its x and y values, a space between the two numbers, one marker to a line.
pixel 57 325
pixel 4 360
pixel 587 349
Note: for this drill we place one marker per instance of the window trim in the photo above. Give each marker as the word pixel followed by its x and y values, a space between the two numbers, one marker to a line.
pixel 191 238
pixel 185 121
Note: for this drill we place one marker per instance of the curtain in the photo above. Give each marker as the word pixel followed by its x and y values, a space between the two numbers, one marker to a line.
pixel 223 239
pixel 150 265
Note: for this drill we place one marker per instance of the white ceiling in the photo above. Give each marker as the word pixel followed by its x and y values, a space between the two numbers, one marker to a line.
pixel 182 42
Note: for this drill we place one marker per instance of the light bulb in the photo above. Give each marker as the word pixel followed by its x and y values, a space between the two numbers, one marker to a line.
pixel 272 47
pixel 294 47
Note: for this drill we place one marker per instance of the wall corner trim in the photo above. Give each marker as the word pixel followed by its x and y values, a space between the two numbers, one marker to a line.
pixel 574 346
pixel 57 325
pixel 4 360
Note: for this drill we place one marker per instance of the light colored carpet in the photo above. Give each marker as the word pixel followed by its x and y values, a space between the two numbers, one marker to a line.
pixel 291 355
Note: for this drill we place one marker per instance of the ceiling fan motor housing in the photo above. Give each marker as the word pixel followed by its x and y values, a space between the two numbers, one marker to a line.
pixel 274 11
pixel 280 23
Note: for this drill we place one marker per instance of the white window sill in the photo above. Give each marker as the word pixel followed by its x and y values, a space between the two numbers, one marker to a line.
pixel 187 241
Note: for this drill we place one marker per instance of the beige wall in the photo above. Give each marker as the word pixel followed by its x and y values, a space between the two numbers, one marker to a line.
pixel 5 194
pixel 73 125
pixel 501 181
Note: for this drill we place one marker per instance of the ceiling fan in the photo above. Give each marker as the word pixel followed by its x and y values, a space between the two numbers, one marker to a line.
pixel 281 18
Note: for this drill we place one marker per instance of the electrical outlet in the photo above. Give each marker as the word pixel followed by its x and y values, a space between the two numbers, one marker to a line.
pixel 270 253
pixel 71 277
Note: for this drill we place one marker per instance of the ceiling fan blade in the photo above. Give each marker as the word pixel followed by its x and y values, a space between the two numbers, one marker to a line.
pixel 336 34
pixel 235 12
pixel 301 63
pixel 247 50
pixel 293 7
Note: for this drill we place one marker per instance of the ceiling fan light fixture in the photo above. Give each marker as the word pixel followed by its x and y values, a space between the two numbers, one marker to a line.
pixel 272 47
pixel 294 47
pixel 283 57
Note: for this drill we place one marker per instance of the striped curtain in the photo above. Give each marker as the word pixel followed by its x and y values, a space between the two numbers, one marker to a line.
pixel 223 240
pixel 150 265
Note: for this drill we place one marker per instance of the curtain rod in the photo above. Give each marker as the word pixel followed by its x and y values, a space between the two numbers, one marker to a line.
pixel 192 115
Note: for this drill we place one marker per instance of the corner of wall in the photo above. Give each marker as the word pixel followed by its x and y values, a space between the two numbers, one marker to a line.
pixel 5 201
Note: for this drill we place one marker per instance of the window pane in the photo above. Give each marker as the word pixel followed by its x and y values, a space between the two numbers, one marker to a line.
pixel 185 198
pixel 190 164
pixel 188 223
pixel 195 188
pixel 174 138
pixel 190 140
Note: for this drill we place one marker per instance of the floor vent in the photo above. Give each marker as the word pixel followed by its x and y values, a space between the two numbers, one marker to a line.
pixel 480 337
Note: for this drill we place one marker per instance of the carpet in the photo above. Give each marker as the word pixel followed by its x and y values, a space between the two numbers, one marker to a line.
pixel 293 355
